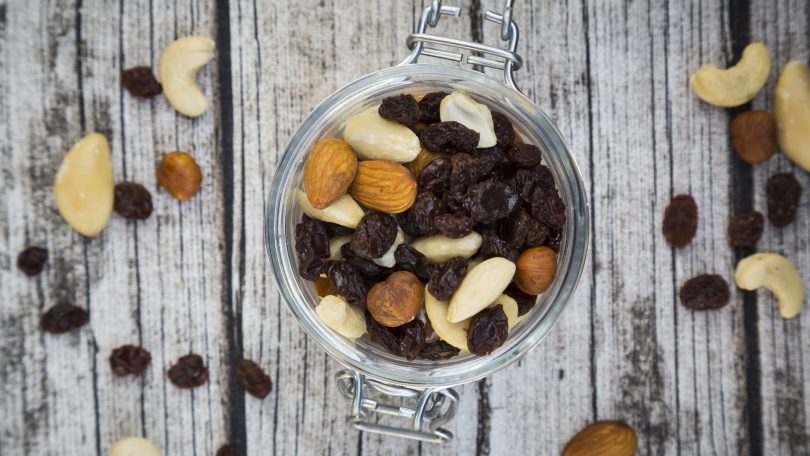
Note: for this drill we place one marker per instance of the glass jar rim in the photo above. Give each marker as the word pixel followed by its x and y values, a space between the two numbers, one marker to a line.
pixel 572 256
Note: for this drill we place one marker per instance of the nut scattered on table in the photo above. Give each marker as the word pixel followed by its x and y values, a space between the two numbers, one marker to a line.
pixel 384 186
pixel 754 136
pixel 374 138
pixel 396 300
pixel 329 170
pixel 340 316
pixel 134 446
pixel 736 85
pixel 536 269
pixel 603 438
pixel 83 187
pixel 344 211
pixel 792 109
pixel 775 273
pixel 180 175
pixel 179 65
pixel 461 108
pixel 480 287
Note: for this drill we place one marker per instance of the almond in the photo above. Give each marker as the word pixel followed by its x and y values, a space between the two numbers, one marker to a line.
pixel 536 268
pixel 328 172
pixel 603 438
pixel 383 186
pixel 397 300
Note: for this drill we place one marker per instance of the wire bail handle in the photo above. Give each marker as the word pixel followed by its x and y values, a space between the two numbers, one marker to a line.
pixel 509 61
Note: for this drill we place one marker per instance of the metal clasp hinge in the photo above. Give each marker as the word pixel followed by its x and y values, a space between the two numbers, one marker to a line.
pixel 434 407
pixel 509 61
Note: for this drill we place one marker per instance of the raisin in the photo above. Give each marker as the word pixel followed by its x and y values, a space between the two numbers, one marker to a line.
pixel 454 225
pixel 521 230
pixel 462 177
pixel 680 221
pixel 411 260
pixel 705 292
pixel 347 281
pixel 32 260
pixel 784 193
pixel 129 360
pixel 253 379
pixel 525 181
pixel 446 278
pixel 312 247
pixel 132 201
pixel 490 201
pixel 226 450
pixel 449 137
pixel 488 162
pixel 553 240
pixel 188 372
pixel 493 246
pixel 547 207
pixel 438 350
pixel 402 109
pixel 334 230
pixel 504 132
pixel 323 287
pixel 370 270
pixel 487 331
pixel 406 340
pixel 141 82
pixel 375 234
pixel 525 301
pixel 407 221
pixel 523 155
pixel 63 317
pixel 429 107
pixel 425 209
pixel 435 175
pixel 744 230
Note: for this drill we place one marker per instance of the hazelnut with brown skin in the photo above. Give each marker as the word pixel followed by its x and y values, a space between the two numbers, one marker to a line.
pixel 536 268
pixel 179 174
pixel 397 300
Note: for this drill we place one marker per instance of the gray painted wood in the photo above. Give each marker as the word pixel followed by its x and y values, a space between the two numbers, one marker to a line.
pixel 193 277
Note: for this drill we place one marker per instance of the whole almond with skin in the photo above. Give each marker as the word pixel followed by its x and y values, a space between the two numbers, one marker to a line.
pixel 397 300
pixel 754 135
pixel 384 186
pixel 328 171
pixel 603 438
pixel 179 174
pixel 536 268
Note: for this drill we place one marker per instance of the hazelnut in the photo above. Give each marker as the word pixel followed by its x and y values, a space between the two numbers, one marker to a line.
pixel 179 174
pixel 754 136
pixel 397 300
pixel 536 268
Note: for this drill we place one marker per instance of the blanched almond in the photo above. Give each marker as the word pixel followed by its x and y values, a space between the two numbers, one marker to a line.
pixel 344 211
pixel 480 287
pixel 374 138
pixel 340 316
pixel 440 248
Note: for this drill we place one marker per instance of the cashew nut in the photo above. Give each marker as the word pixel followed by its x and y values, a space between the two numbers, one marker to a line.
pixel 459 107
pixel 388 260
pixel 134 446
pixel 345 211
pixel 777 274
pixel 342 317
pixel 334 246
pixel 480 287
pixel 455 334
pixel 792 110
pixel 440 248
pixel 375 138
pixel 84 187
pixel 179 64
pixel 736 85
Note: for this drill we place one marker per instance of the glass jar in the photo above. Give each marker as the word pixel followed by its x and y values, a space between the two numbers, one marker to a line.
pixel 369 365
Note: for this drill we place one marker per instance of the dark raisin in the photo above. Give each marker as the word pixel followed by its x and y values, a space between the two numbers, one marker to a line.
pixel 253 379
pixel 226 450
pixel 462 176
pixel 406 340
pixel 141 82
pixel 63 317
pixel 370 270
pixel 744 230
pixel 188 372
pixel 435 175
pixel 523 155
pixel 375 234
pixel 521 230
pixel 429 107
pixel 493 246
pixel 411 260
pixel 438 350
pixel 705 292
pixel 425 209
pixel 680 221
pixel 554 240
pixel 132 201
pixel 446 278
pixel 490 201
pixel 454 225
pixel 334 230
pixel 524 181
pixel 347 281
pixel 488 162
pixel 784 193
pixel 407 221
pixel 32 260
pixel 525 301
pixel 312 247
pixel 129 360
pixel 402 109
pixel 547 207
pixel 487 331
pixel 504 132
pixel 449 138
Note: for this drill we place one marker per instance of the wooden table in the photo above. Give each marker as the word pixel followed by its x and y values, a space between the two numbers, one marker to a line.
pixel 613 75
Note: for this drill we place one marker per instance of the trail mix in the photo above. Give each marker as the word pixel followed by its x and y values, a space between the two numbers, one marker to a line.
pixel 428 226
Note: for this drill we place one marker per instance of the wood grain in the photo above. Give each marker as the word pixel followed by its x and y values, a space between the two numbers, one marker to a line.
pixel 193 278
